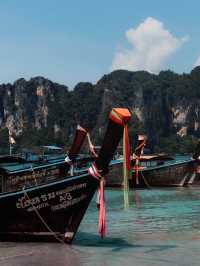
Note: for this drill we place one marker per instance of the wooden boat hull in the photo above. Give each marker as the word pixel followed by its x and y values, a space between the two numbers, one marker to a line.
pixel 174 174
pixel 196 181
pixel 171 175
pixel 56 207
pixel 115 175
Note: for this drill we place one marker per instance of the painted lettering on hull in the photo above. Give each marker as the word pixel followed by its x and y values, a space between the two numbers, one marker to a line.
pixel 57 200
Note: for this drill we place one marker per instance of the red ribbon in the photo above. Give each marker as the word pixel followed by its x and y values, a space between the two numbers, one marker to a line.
pixel 102 211
pixel 137 170
pixel 100 199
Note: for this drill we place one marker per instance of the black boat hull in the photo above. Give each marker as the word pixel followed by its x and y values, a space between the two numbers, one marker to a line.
pixel 57 208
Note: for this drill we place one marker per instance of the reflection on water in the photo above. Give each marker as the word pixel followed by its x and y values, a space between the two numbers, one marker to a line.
pixel 161 227
pixel 151 212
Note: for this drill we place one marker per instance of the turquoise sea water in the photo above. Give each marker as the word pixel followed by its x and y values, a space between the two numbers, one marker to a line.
pixel 161 227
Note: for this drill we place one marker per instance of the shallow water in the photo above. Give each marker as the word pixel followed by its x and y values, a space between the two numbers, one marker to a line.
pixel 161 227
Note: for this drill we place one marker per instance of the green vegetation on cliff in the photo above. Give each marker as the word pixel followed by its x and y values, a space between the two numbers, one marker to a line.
pixel 165 107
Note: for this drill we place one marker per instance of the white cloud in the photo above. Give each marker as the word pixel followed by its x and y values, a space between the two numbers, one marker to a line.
pixel 197 63
pixel 152 45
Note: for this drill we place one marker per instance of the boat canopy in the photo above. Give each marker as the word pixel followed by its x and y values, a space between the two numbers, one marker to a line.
pixel 52 147
pixel 155 157
pixel 11 159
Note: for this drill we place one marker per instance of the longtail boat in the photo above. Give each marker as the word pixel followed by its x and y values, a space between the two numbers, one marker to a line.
pixel 157 170
pixel 161 170
pixel 55 209
pixel 16 172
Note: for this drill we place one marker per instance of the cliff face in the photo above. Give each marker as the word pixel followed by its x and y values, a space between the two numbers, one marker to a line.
pixel 163 105
pixel 27 104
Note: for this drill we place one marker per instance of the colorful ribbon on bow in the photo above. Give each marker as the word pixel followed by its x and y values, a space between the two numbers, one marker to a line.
pixel 126 166
pixel 101 199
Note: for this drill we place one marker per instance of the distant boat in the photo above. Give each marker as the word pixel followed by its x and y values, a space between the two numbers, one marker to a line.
pixel 17 172
pixel 55 208
pixel 161 170
pixel 157 170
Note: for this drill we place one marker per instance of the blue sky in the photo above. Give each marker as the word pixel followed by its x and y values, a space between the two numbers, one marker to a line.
pixel 73 41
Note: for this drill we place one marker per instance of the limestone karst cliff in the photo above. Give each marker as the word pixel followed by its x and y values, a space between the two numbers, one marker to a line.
pixel 166 107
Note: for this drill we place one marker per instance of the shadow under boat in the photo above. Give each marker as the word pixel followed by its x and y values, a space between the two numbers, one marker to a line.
pixel 116 243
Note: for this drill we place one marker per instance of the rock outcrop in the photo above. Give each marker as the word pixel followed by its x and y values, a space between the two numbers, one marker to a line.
pixel 163 105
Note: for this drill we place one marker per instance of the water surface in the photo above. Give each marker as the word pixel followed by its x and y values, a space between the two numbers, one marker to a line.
pixel 161 227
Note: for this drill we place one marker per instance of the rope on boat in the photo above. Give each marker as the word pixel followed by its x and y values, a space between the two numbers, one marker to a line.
pixel 145 181
pixel 182 183
pixel 42 220
pixel 192 178
pixel 91 146
pixel 34 176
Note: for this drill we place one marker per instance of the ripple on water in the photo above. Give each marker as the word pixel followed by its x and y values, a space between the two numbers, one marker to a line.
pixel 161 227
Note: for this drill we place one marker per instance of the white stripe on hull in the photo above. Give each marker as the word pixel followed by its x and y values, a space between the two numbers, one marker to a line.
pixel 192 178
pixel 181 184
